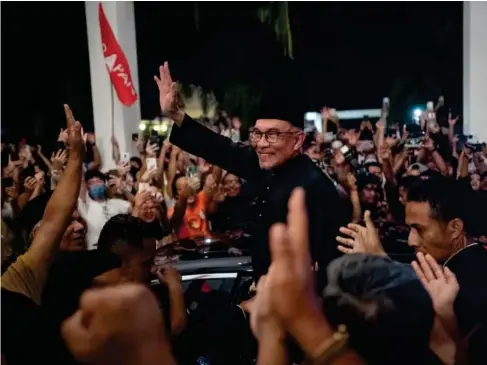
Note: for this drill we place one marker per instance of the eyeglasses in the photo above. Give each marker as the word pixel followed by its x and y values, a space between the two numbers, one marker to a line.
pixel 271 136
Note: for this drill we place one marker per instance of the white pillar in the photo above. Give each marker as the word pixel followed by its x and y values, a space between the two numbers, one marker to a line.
pixel 475 68
pixel 120 15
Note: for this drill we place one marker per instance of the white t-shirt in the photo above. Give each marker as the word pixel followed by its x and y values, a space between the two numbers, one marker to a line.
pixel 96 214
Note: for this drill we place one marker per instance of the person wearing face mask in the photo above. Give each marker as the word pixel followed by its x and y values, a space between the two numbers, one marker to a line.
pixel 96 208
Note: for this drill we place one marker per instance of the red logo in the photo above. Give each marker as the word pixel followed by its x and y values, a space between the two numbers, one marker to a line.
pixel 117 64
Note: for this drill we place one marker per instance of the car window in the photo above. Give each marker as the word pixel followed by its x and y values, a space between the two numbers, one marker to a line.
pixel 207 291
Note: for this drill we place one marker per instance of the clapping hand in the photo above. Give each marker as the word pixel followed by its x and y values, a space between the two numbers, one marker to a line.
pixel 362 239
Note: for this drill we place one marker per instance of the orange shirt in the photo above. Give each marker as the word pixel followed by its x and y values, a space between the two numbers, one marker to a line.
pixel 195 222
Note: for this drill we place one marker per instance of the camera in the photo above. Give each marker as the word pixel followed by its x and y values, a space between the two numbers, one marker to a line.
pixel 475 147
pixel 472 143
pixel 413 143
pixel 351 157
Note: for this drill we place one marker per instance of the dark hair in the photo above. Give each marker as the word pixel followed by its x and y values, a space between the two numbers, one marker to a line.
pixel 95 174
pixel 407 181
pixel 124 228
pixel 365 179
pixel 372 164
pixel 7 182
pixel 371 296
pixel 173 184
pixel 137 160
pixel 309 140
pixel 447 198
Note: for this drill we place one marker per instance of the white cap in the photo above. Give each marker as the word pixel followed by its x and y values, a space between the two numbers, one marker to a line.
pixel 430 105
pixel 385 100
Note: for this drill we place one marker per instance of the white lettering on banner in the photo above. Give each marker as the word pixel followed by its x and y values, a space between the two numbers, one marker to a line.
pixel 127 83
pixel 112 67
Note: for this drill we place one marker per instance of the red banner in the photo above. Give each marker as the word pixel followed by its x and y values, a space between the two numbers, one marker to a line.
pixel 117 64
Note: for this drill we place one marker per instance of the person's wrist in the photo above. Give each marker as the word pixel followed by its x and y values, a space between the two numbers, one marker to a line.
pixel 270 334
pixel 174 286
pixel 310 329
pixel 177 116
pixel 446 310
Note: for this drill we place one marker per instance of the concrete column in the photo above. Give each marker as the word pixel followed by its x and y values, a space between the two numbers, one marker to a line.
pixel 120 15
pixel 475 69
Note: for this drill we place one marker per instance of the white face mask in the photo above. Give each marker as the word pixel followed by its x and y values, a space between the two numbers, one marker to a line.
pixel 7 210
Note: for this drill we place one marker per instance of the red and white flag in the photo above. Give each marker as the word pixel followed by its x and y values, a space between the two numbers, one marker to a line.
pixel 117 64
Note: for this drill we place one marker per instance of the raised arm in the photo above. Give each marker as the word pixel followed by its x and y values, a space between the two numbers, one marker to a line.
pixel 200 141
pixel 59 209
pixel 216 149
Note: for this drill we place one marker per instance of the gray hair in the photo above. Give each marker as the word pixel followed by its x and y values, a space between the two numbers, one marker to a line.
pixel 359 282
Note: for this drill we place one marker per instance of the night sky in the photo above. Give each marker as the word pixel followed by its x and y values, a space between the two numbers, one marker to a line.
pixel 348 55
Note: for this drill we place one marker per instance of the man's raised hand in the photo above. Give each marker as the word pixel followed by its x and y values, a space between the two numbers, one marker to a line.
pixel 168 94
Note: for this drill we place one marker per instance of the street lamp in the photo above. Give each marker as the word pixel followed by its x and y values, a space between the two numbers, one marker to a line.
pixel 417 114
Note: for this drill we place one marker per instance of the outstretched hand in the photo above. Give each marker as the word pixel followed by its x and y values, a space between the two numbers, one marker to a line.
pixel 439 282
pixel 168 94
pixel 361 239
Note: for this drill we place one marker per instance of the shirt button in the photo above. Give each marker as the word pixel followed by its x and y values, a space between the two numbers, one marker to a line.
pixel 260 215
pixel 263 201
pixel 267 188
